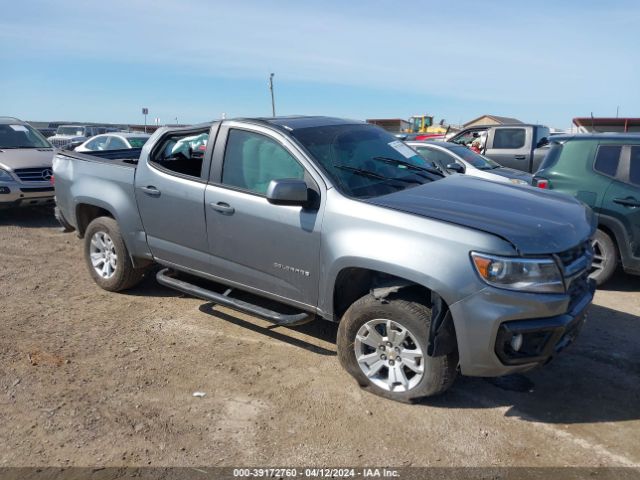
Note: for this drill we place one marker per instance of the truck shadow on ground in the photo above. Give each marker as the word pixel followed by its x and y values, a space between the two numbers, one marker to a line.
pixel 29 217
pixel 594 380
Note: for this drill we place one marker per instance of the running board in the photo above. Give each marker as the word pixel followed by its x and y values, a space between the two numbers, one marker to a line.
pixel 164 277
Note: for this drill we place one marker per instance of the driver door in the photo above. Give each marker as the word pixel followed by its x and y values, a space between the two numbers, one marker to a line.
pixel 266 248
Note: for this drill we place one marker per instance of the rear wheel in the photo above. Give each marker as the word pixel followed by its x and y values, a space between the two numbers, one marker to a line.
pixel 383 345
pixel 107 256
pixel 605 257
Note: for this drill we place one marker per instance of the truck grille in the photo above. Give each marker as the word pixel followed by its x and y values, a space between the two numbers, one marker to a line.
pixel 60 142
pixel 576 266
pixel 41 174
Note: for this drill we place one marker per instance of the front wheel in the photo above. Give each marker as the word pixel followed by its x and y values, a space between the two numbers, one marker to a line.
pixel 107 256
pixel 383 345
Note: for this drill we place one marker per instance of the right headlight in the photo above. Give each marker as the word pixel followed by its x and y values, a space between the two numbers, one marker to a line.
pixel 4 176
pixel 539 275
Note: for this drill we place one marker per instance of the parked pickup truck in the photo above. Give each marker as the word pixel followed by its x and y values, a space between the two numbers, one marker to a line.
pixel 518 146
pixel 298 218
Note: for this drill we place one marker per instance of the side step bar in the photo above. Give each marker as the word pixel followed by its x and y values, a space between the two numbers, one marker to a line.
pixel 164 277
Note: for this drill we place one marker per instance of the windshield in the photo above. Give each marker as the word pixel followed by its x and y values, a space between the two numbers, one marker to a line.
pixel 21 136
pixel 137 142
pixel 76 131
pixel 475 159
pixel 364 160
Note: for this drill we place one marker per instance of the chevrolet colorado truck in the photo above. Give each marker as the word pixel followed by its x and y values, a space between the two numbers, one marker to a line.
pixel 299 218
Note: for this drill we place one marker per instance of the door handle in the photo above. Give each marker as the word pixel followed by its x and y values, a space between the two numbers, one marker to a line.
pixel 627 202
pixel 519 157
pixel 151 191
pixel 223 208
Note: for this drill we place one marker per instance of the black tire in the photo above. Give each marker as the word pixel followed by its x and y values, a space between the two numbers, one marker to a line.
pixel 124 275
pixel 605 257
pixel 408 311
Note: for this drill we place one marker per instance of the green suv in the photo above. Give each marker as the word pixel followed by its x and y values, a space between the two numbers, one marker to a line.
pixel 602 170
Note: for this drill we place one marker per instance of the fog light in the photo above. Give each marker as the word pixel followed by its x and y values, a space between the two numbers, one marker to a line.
pixel 516 342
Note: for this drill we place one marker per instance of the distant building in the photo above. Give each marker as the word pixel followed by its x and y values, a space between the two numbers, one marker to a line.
pixel 604 124
pixel 394 125
pixel 491 120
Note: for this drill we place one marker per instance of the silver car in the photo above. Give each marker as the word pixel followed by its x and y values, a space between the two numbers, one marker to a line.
pixel 25 165
pixel 114 141
pixel 455 158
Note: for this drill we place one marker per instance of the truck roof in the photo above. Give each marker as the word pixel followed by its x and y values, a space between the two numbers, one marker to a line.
pixel 296 122
pixel 11 120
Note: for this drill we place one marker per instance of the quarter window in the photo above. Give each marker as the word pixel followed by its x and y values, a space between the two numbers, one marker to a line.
pixel 509 138
pixel 182 153
pixel 634 166
pixel 252 160
pixel 607 159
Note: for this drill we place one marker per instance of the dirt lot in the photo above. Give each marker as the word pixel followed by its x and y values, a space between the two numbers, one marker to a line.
pixel 90 378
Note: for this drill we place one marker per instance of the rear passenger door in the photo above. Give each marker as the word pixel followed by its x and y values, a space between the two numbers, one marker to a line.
pixel 170 184
pixel 622 199
pixel 510 147
pixel 265 248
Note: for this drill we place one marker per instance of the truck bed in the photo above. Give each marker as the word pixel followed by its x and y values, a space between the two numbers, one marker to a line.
pixel 127 157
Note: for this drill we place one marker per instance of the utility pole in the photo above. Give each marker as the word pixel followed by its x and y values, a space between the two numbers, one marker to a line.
pixel 273 102
pixel 617 110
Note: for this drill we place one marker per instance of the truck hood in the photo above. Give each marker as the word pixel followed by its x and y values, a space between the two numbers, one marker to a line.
pixel 12 158
pixel 534 221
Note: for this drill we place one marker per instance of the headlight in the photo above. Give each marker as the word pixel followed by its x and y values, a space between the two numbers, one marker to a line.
pixel 517 181
pixel 540 275
pixel 4 176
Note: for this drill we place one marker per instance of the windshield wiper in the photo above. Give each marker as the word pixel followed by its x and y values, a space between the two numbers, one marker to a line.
pixel 410 166
pixel 370 174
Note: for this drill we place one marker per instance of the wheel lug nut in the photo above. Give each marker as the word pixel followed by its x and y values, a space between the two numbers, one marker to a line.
pixel 383 357
pixel 389 344
pixel 391 362
pixel 397 349
pixel 381 347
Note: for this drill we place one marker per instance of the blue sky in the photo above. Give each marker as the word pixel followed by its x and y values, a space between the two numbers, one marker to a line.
pixel 544 61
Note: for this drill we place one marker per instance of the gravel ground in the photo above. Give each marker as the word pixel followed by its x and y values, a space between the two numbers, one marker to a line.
pixel 91 378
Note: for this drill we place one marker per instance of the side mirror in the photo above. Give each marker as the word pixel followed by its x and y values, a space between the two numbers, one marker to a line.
pixel 287 191
pixel 456 167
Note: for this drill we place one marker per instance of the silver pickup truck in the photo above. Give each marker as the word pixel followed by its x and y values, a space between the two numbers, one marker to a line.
pixel 298 218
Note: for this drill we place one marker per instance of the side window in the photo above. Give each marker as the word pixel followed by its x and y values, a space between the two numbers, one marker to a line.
pixel 634 166
pixel 116 143
pixel 467 138
pixel 182 153
pixel 607 159
pixel 509 138
pixel 252 160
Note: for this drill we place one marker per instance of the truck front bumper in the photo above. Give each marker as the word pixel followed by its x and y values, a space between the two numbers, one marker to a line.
pixel 19 194
pixel 501 332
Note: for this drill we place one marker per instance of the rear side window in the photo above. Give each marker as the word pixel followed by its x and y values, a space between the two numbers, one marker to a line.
pixel 509 138
pixel 634 166
pixel 552 156
pixel 607 159
pixel 182 153
pixel 252 160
